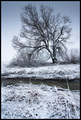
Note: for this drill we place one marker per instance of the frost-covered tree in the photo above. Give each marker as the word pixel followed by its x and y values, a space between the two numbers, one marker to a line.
pixel 43 30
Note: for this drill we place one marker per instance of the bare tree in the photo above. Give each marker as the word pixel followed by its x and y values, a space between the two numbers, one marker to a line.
pixel 43 30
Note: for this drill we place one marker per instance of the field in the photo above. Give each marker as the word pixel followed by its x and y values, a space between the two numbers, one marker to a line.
pixel 30 101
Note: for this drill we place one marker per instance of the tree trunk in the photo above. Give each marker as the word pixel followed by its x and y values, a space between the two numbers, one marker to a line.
pixel 54 60
pixel 54 55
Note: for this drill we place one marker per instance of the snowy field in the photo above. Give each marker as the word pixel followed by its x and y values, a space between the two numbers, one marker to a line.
pixel 67 71
pixel 29 101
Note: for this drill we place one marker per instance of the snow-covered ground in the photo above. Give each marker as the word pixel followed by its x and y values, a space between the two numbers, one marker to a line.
pixel 29 101
pixel 56 71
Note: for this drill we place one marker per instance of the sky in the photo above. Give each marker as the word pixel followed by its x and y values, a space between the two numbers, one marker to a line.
pixel 11 22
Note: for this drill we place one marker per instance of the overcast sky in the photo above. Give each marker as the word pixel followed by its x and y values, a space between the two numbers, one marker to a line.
pixel 11 22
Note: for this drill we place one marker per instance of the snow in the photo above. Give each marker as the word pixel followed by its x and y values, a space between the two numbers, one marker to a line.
pixel 30 101
pixel 70 71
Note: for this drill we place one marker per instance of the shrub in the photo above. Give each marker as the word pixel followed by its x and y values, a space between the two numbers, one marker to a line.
pixel 74 57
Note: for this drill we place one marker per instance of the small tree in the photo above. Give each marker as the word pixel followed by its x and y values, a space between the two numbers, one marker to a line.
pixel 43 30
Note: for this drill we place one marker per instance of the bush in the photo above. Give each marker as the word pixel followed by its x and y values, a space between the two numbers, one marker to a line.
pixel 23 59
pixel 73 57
pixel 22 63
pixel 25 63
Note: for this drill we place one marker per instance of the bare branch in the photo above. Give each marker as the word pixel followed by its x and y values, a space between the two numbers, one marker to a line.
pixel 43 30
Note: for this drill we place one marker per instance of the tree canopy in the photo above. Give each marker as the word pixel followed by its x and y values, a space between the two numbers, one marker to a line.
pixel 43 30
